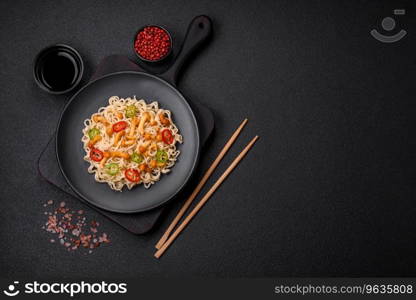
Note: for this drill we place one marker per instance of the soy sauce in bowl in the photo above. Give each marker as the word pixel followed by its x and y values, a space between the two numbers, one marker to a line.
pixel 58 69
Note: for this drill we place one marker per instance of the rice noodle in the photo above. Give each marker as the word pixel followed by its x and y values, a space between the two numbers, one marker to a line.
pixel 116 112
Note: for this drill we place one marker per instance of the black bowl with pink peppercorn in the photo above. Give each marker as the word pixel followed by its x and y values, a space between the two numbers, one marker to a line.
pixel 152 43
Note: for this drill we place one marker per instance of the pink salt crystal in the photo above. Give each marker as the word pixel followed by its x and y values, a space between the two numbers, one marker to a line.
pixel 60 223
pixel 103 238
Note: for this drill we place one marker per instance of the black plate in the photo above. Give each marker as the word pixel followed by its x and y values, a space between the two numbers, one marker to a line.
pixel 95 94
pixel 87 101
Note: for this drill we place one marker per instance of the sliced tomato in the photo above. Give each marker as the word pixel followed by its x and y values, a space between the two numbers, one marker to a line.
pixel 96 155
pixel 119 126
pixel 167 136
pixel 132 175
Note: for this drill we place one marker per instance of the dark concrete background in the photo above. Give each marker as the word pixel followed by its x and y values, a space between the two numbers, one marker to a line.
pixel 329 190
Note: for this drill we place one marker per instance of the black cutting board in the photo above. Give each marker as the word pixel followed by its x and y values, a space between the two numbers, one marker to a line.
pixel 137 223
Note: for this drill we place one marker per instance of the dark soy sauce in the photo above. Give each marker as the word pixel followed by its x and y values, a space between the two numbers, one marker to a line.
pixel 59 70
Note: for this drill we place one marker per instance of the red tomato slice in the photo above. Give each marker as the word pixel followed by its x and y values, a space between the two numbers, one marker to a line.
pixel 119 126
pixel 132 175
pixel 96 155
pixel 167 136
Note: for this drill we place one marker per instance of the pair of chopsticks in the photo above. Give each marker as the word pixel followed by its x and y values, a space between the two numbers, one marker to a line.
pixel 167 239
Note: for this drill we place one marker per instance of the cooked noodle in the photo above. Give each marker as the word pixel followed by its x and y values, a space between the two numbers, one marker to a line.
pixel 146 144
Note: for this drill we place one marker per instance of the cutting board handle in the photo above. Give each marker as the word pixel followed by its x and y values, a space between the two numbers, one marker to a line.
pixel 199 30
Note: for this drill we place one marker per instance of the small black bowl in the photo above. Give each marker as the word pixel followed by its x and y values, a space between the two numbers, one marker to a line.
pixel 58 69
pixel 157 60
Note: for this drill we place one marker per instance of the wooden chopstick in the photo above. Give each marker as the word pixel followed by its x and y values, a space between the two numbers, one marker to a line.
pixel 220 180
pixel 200 184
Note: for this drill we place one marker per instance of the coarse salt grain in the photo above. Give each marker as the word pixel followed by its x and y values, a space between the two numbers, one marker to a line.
pixel 72 229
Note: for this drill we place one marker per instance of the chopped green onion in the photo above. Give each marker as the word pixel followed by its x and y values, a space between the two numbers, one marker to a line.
pixel 131 111
pixel 93 132
pixel 137 158
pixel 161 156
pixel 112 169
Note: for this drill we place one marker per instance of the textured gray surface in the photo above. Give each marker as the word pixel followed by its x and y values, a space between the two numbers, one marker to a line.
pixel 327 191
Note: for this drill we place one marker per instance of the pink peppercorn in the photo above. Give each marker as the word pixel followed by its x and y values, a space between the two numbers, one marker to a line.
pixel 152 43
